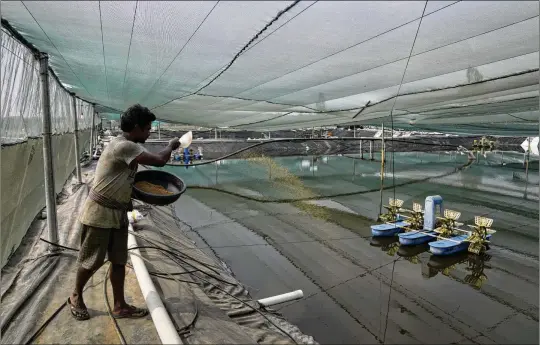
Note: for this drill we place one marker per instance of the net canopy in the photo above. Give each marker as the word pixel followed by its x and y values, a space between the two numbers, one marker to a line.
pixel 456 65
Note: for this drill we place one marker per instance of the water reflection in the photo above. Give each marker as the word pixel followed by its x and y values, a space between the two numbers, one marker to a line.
pixel 432 265
pixel 411 253
pixel 475 264
pixel 390 245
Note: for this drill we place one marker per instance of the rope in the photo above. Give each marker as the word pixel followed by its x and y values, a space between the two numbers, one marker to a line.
pixel 62 56
pixel 280 13
pixel 389 299
pixel 103 49
pixel 109 310
pixel 292 140
pixel 181 50
pixel 129 51
pixel 345 49
pixel 393 150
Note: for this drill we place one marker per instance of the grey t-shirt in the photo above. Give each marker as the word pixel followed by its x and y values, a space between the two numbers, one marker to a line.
pixel 114 177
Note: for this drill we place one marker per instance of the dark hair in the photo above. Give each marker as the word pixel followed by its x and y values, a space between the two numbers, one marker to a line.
pixel 136 115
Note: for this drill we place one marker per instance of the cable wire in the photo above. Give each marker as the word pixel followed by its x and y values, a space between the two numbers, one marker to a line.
pixel 394 61
pixel 389 299
pixel 280 13
pixel 366 272
pixel 290 140
pixel 103 47
pixel 61 55
pixel 109 311
pixel 57 311
pixel 129 51
pixel 236 298
pixel 180 52
pixel 393 149
pixel 344 49
pixel 397 60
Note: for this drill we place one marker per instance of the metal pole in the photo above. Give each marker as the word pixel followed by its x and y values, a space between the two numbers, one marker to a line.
pixel 98 128
pixel 216 134
pixel 76 139
pixel 361 152
pixel 382 169
pixel 50 195
pixel 159 130
pixel 217 172
pixel 371 149
pixel 354 168
pixel 92 129
pixel 527 164
pixel 502 157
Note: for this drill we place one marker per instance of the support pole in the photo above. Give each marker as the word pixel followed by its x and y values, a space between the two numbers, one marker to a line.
pixel 382 169
pixel 98 128
pixel 50 195
pixel 371 149
pixel 527 165
pixel 92 133
pixel 217 166
pixel 159 130
pixel 361 151
pixel 76 139
pixel 354 167
pixel 216 134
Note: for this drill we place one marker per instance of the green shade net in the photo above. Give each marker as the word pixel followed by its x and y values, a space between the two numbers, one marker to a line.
pixel 280 64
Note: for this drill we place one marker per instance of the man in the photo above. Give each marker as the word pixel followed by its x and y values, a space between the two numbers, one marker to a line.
pixel 104 215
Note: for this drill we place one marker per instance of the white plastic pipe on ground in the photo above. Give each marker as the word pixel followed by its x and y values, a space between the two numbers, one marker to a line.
pixel 286 297
pixel 164 326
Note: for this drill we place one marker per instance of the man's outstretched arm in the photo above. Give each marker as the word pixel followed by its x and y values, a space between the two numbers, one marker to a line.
pixel 158 159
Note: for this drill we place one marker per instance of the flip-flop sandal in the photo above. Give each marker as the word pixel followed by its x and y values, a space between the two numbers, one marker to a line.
pixel 80 314
pixel 133 313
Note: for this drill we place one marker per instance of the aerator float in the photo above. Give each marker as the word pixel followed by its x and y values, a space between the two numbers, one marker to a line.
pixel 444 234
pixel 392 221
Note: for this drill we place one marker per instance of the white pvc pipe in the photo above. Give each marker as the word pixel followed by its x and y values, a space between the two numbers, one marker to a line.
pixel 286 297
pixel 164 326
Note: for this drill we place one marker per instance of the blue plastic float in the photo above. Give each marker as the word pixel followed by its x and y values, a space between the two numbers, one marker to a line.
pixel 433 208
pixel 450 246
pixel 414 238
pixel 389 229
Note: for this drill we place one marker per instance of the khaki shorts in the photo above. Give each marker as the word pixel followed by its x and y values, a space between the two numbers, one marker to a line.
pixel 96 242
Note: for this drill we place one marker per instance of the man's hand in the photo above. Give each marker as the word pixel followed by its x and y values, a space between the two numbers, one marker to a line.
pixel 158 159
pixel 174 143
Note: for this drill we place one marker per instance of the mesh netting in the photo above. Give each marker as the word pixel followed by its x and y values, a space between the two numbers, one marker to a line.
pixel 20 135
pixel 264 65
pixel 21 112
